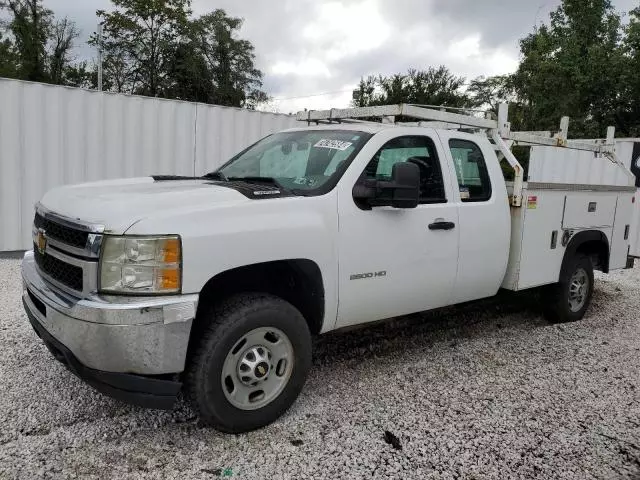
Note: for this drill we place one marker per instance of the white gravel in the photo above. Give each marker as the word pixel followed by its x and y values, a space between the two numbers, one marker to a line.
pixel 483 391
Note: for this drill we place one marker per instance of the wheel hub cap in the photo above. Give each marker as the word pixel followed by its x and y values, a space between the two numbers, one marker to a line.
pixel 254 365
pixel 578 289
pixel 257 368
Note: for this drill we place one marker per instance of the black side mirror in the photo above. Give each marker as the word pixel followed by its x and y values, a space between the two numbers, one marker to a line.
pixel 402 191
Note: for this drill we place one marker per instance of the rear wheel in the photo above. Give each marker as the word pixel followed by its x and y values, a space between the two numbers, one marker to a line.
pixel 569 299
pixel 250 364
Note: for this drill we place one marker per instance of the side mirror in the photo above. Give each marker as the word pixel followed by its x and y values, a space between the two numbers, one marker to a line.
pixel 402 191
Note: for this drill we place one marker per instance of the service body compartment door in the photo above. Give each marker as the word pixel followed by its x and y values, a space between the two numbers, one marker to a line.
pixel 536 240
pixel 634 239
pixel 589 210
pixel 619 248
pixel 608 211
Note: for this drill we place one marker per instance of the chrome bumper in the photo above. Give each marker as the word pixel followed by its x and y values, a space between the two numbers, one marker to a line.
pixel 146 336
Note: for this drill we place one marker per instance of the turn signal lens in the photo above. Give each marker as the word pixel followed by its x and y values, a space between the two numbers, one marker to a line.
pixel 169 279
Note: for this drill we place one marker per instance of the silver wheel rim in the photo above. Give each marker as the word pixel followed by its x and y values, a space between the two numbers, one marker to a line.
pixel 578 289
pixel 257 368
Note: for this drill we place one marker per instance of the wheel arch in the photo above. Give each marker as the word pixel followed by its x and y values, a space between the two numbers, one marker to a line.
pixel 592 243
pixel 298 281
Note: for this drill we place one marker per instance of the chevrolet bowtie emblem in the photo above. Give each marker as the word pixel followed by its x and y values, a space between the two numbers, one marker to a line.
pixel 42 241
pixel 261 369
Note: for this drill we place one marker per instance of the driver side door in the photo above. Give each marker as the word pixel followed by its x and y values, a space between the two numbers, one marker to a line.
pixel 395 261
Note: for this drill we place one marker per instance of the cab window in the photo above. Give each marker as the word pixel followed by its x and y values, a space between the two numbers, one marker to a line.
pixel 471 171
pixel 418 150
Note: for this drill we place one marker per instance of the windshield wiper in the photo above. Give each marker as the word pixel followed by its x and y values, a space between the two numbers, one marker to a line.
pixel 216 176
pixel 267 180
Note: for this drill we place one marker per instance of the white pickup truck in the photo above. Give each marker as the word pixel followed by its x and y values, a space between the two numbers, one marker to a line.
pixel 217 283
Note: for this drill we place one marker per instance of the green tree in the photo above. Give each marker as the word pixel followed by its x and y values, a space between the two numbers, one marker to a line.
pixel 36 46
pixel 153 48
pixel 488 93
pixel 491 91
pixel 138 41
pixel 81 75
pixel 30 26
pixel 189 74
pixel 118 71
pixel 574 66
pixel 230 60
pixel 434 86
pixel 8 58
pixel 63 33
pixel 629 112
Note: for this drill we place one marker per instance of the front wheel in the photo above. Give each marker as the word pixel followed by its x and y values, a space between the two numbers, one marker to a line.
pixel 250 364
pixel 569 299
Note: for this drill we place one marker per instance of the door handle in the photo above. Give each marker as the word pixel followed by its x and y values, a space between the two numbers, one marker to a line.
pixel 442 225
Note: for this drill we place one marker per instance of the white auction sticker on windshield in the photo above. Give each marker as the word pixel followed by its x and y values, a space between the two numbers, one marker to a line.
pixel 333 144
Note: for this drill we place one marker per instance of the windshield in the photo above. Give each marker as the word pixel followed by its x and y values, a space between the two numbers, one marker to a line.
pixel 305 161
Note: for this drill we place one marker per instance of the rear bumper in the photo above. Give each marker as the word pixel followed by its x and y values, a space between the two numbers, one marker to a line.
pixel 134 389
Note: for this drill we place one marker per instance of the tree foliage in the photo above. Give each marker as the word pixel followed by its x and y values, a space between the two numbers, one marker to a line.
pixel 434 86
pixel 574 66
pixel 236 80
pixel 8 58
pixel 138 41
pixel 155 48
pixel 63 34
pixel 34 45
pixel 630 111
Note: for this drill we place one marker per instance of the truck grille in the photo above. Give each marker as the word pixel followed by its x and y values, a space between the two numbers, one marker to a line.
pixel 61 233
pixel 62 272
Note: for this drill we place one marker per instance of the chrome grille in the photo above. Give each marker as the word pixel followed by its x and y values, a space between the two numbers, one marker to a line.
pixel 62 233
pixel 62 272
pixel 69 259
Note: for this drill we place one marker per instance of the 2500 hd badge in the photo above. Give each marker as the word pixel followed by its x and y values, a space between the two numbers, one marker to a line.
pixel 360 276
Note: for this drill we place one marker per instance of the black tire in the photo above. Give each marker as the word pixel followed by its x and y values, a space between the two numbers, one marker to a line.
pixel 557 306
pixel 228 322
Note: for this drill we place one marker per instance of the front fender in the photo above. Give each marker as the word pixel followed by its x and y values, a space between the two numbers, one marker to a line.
pixel 218 239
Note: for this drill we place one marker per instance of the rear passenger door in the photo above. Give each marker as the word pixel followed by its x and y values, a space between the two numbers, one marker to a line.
pixel 483 212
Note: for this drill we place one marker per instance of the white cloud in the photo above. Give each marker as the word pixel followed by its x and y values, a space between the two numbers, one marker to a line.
pixel 310 67
pixel 343 29
pixel 465 48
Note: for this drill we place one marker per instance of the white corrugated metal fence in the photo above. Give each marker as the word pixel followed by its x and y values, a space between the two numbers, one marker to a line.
pixel 51 136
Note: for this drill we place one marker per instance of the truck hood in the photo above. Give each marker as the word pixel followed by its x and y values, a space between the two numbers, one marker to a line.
pixel 118 204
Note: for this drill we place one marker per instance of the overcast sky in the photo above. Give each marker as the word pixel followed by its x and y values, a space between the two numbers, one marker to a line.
pixel 311 47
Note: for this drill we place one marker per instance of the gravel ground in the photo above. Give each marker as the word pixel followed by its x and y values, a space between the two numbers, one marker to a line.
pixel 482 391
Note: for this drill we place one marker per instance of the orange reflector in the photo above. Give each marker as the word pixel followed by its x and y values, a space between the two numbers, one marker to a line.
pixel 169 279
pixel 170 252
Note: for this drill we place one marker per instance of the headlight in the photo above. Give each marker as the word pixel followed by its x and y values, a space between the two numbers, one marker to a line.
pixel 141 265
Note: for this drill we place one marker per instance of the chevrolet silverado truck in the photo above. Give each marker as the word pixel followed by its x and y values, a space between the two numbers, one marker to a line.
pixel 215 285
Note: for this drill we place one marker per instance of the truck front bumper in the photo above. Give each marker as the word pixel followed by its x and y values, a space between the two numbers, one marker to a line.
pixel 129 348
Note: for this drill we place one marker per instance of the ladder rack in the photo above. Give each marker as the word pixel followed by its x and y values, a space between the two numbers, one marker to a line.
pixel 497 130
pixel 388 111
